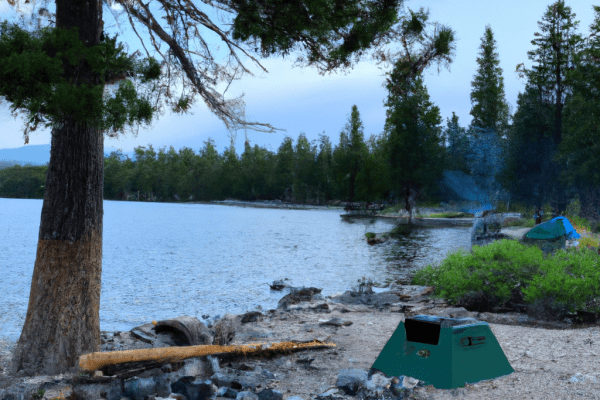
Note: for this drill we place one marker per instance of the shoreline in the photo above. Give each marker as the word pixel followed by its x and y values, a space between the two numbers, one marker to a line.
pixel 360 325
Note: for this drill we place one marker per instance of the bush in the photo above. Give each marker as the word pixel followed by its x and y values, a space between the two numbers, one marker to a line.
pixel 570 277
pixel 370 235
pixel 564 281
pixel 494 269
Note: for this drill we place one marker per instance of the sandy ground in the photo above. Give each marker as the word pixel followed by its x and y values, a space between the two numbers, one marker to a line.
pixel 545 361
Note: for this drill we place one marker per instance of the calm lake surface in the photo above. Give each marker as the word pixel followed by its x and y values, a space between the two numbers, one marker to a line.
pixel 163 260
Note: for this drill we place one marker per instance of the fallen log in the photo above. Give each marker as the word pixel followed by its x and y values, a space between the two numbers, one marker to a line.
pixel 95 361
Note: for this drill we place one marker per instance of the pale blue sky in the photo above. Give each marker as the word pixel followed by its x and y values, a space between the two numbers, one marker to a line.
pixel 302 101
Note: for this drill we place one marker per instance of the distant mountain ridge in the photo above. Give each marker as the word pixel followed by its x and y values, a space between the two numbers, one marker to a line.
pixel 37 154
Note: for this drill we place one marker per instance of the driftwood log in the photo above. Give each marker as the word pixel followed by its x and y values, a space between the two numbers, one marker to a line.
pixel 155 358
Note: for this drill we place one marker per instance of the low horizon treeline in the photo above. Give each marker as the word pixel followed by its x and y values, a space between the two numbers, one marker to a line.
pixel 300 171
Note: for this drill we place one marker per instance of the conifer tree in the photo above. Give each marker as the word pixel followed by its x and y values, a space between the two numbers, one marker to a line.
pixel 554 54
pixel 457 144
pixel 489 108
pixel 351 153
pixel 415 147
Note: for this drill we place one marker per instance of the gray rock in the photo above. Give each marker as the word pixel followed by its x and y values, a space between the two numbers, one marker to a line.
pixel 252 316
pixel 110 391
pixel 351 380
pixel 337 322
pixel 223 380
pixel 248 380
pixel 194 388
pixel 378 381
pixel 136 388
pixel 227 392
pixel 246 396
pixel 378 300
pixel 267 374
pixel 298 295
pixel 225 330
pixel 270 394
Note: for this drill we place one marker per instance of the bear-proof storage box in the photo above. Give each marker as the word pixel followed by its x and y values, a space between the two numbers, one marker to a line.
pixel 443 352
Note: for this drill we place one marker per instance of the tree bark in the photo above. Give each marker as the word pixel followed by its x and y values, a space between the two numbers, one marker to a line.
pixel 62 321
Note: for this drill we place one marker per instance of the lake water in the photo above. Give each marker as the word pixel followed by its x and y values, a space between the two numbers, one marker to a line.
pixel 163 260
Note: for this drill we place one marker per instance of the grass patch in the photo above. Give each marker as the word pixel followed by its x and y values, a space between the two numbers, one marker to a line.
pixel 567 279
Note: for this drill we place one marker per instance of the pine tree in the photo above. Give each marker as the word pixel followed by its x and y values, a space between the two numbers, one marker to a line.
pixel 579 150
pixel 556 48
pixel 489 107
pixel 415 143
pixel 457 144
pixel 415 147
pixel 351 153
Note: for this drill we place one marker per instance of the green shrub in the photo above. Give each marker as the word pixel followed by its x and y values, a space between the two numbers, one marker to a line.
pixel 494 269
pixel 370 235
pixel 571 277
pixel 564 282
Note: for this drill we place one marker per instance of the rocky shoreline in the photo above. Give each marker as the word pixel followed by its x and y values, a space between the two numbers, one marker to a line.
pixel 358 323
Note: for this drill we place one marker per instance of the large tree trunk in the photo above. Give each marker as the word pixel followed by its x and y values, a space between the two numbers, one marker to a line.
pixel 62 320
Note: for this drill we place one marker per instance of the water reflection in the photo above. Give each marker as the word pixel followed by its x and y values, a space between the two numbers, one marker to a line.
pixel 414 247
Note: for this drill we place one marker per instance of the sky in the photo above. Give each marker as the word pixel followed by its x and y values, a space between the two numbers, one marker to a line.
pixel 300 100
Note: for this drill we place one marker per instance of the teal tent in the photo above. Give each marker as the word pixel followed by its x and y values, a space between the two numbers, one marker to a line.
pixel 554 229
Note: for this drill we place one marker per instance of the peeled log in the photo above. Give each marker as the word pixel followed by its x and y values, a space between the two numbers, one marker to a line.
pixel 95 361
